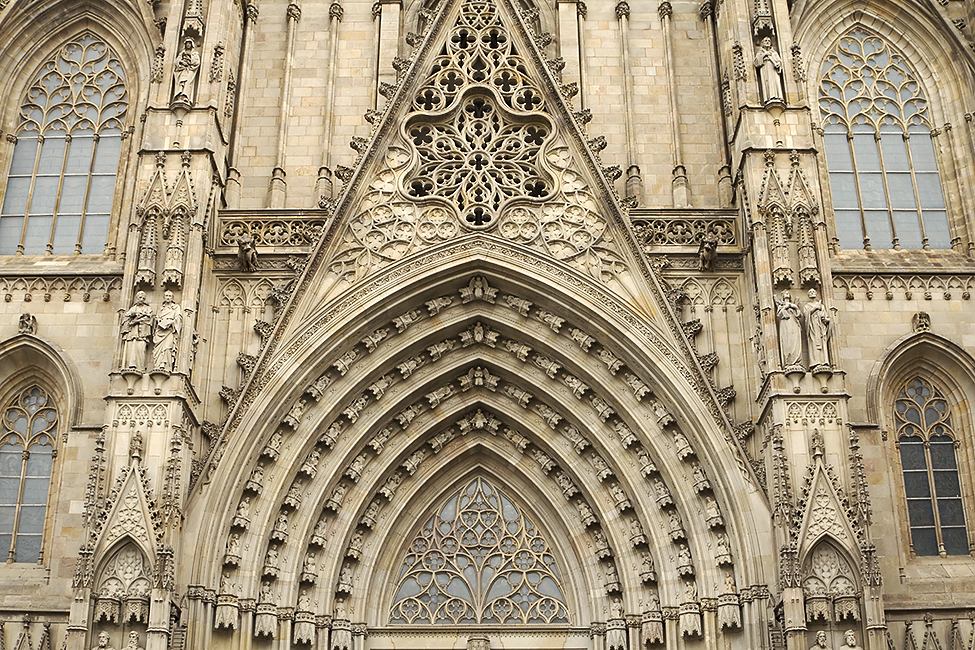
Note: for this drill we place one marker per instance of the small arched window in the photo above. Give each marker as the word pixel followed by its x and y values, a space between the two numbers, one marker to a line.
pixel 883 172
pixel 27 433
pixel 61 183
pixel 931 482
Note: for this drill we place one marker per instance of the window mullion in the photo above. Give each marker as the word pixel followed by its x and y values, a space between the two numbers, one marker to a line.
pixel 20 502
pixel 856 184
pixel 917 198
pixel 934 500
pixel 895 241
pixel 84 204
pixel 57 202
pixel 30 193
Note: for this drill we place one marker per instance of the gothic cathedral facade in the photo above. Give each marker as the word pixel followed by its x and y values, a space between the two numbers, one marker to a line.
pixel 487 324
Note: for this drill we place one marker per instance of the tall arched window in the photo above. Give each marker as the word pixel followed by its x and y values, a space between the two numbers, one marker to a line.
pixel 61 184
pixel 931 481
pixel 883 174
pixel 27 433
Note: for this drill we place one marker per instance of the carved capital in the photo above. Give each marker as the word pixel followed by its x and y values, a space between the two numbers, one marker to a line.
pixel 707 9
pixel 622 9
pixel 294 11
pixel 253 11
pixel 665 9
pixel 336 11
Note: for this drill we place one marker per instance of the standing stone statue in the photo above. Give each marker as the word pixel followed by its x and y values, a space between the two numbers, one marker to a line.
pixel 165 334
pixel 820 641
pixel 769 65
pixel 790 332
pixel 817 331
pixel 136 330
pixel 185 72
pixel 103 643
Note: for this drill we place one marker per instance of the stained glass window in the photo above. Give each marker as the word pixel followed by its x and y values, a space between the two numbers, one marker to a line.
pixel 883 172
pixel 477 559
pixel 931 482
pixel 61 182
pixel 26 455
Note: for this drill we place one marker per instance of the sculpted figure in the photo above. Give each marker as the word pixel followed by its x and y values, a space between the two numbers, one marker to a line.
pixel 820 641
pixel 817 330
pixel 133 643
pixel 136 330
pixel 769 65
pixel 103 642
pixel 165 333
pixel 186 69
pixel 790 333
pixel 247 252
pixel 850 641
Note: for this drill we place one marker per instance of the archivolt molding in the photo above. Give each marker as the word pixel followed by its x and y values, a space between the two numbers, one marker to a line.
pixel 393 391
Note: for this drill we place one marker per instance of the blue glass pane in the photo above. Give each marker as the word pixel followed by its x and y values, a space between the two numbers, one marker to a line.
pixel 916 485
pixel 45 195
pixel 39 461
pixel 946 484
pixel 10 231
pixel 872 190
pixel 31 520
pixel 37 235
pixel 9 490
pixel 24 153
pixel 35 490
pixel 936 228
pixel 844 191
pixel 922 152
pixel 107 155
pixel 837 152
pixel 951 512
pixel 956 541
pixel 908 228
pixel 79 155
pixel 867 154
pixel 11 460
pixel 912 453
pixel 895 152
pixel 72 195
pixel 848 228
pixel 95 235
pixel 921 512
pixel 52 156
pixel 942 453
pixel 66 233
pixel 901 188
pixel 878 228
pixel 929 190
pixel 7 520
pixel 925 541
pixel 28 548
pixel 15 200
pixel 101 194
pixel 5 546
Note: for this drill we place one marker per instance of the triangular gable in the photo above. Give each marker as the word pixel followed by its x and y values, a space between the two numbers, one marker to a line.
pixel 772 194
pixel 799 191
pixel 479 139
pixel 132 515
pixel 824 515
pixel 156 198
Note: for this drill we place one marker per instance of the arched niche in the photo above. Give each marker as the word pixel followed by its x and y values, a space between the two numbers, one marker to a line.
pixel 310 349
pixel 35 360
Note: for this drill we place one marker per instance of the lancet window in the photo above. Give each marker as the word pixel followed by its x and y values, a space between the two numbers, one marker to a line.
pixel 931 482
pixel 26 456
pixel 476 560
pixel 883 170
pixel 61 182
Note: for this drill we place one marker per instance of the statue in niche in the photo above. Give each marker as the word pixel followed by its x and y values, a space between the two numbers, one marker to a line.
pixel 103 642
pixel 820 641
pixel 790 332
pixel 850 641
pixel 136 331
pixel 304 602
pixel 729 583
pixel 133 643
pixel 185 73
pixel 817 331
pixel 769 65
pixel 247 252
pixel 165 334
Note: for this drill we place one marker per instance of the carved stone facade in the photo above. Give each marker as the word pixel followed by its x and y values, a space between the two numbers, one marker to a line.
pixel 614 327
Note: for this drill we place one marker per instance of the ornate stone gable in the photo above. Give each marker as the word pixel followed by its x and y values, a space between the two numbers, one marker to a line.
pixel 131 514
pixel 478 139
